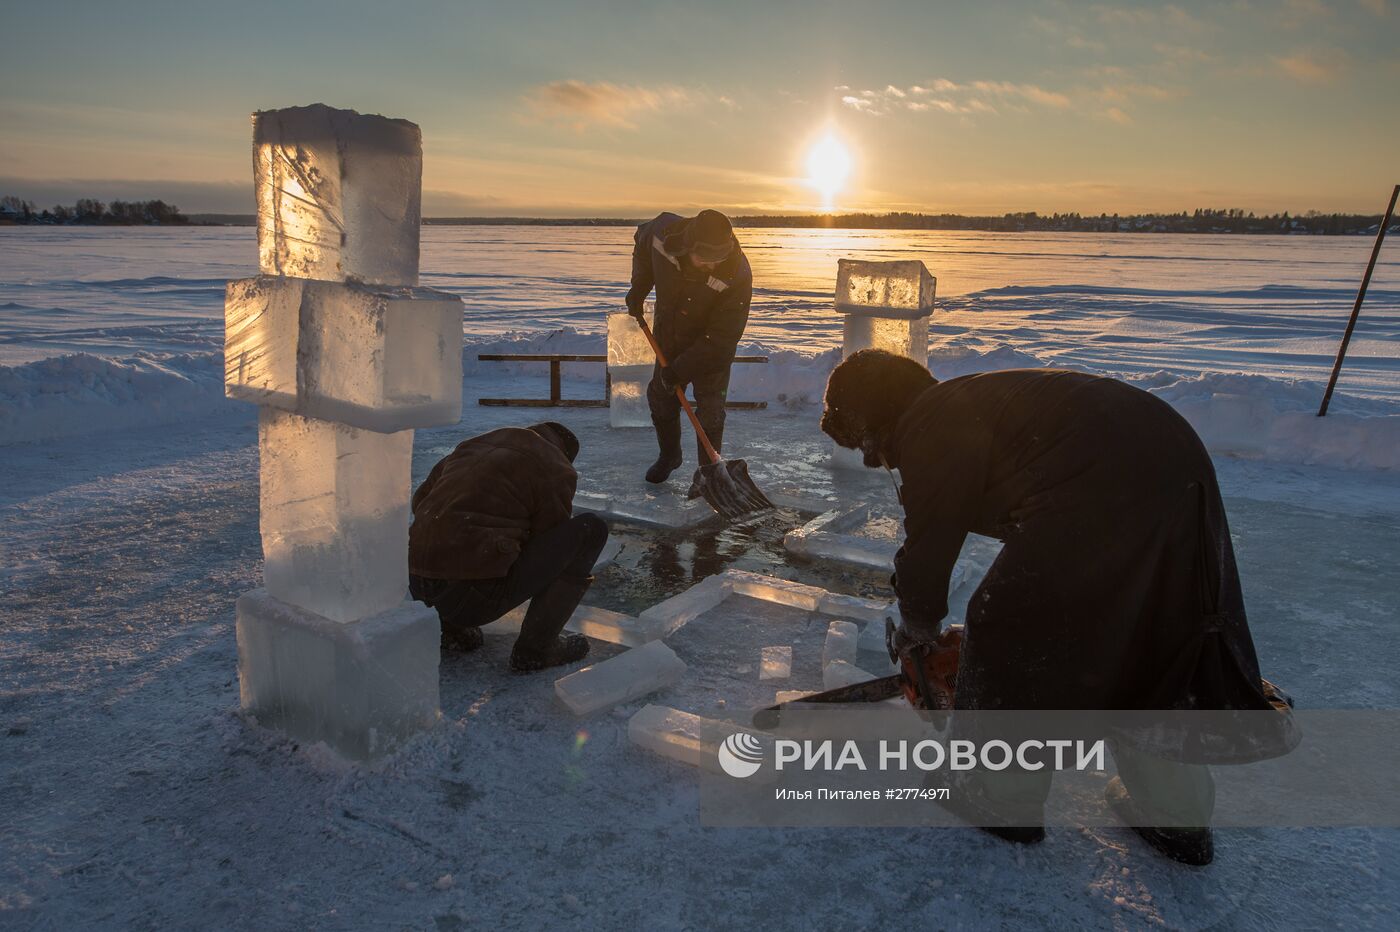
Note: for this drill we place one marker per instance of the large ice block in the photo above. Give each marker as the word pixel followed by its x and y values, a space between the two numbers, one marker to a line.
pixel 634 673
pixel 339 195
pixel 690 739
pixel 630 366
pixel 665 617
pixel 773 589
pixel 334 514
pixel 361 687
pixel 842 643
pixel 371 356
pixel 903 288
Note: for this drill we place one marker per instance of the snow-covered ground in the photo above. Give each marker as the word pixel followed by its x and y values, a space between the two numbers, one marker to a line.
pixel 134 795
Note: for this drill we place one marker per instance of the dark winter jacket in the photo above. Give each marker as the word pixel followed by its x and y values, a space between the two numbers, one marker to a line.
pixel 484 500
pixel 1116 587
pixel 700 315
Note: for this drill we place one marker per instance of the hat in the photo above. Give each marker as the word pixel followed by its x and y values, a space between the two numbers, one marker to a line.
pixel 559 435
pixel 708 237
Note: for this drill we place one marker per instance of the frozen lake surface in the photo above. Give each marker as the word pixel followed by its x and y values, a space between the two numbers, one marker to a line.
pixel 135 795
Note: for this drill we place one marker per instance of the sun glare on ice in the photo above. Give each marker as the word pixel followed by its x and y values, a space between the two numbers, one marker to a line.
pixel 828 164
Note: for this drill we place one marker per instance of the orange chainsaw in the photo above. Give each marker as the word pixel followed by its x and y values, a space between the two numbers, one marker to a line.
pixel 927 679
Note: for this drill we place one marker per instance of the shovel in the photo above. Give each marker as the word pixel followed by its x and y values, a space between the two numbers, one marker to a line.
pixel 725 485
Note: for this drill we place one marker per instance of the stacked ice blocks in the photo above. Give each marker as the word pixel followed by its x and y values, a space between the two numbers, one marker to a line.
pixel 346 356
pixel 630 365
pixel 883 305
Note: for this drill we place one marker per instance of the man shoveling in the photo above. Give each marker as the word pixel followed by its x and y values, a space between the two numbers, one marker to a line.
pixel 1116 587
pixel 703 290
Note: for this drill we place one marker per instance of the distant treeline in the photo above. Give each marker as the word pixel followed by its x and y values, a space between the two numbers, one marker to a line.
pixel 89 211
pixel 1203 220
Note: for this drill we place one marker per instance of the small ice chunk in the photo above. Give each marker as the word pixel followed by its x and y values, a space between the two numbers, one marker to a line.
pixel 902 288
pixel 842 643
pixel 665 617
pixel 631 674
pixel 773 589
pixel 689 738
pixel 839 673
pixel 775 663
pixel 339 195
pixel 370 356
pixel 334 514
pixel 362 687
pixel 854 607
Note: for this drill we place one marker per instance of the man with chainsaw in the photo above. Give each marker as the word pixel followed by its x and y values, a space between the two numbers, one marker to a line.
pixel 703 290
pixel 1116 587
pixel 493 527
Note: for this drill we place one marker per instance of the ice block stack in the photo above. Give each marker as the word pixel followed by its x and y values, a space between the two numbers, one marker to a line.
pixel 630 364
pixel 345 355
pixel 883 305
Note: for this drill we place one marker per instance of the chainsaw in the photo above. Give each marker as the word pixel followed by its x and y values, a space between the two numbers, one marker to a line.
pixel 927 679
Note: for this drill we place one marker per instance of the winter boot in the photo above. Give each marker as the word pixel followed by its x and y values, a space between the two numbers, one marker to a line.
pixel 540 645
pixel 1193 846
pixel 460 639
pixel 668 438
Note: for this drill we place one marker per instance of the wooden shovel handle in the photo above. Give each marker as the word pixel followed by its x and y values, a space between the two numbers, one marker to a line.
pixel 680 393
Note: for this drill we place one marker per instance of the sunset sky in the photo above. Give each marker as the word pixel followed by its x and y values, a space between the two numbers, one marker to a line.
pixel 626 108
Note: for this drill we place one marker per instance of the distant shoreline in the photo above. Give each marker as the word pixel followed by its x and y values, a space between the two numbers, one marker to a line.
pixel 1201 222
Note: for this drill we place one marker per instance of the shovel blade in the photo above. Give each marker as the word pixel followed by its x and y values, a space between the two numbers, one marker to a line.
pixel 730 491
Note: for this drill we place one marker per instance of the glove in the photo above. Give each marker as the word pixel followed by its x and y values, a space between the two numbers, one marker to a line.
pixel 637 309
pixel 669 380
pixel 914 640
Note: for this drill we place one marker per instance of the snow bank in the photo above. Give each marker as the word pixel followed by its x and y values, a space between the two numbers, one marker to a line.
pixel 81 394
pixel 1236 414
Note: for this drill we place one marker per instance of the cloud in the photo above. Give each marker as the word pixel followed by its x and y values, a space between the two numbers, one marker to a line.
pixel 582 104
pixel 948 96
pixel 1313 67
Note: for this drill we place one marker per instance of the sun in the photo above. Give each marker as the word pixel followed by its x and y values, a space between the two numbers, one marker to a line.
pixel 828 164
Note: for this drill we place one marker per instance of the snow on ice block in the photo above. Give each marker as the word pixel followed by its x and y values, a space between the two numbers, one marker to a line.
pixel 902 288
pixel 665 617
pixel 339 195
pixel 840 673
pixel 842 643
pixel 362 687
pixel 334 514
pixel 773 589
pixel 371 356
pixel 690 739
pixel 631 674
pixel 775 663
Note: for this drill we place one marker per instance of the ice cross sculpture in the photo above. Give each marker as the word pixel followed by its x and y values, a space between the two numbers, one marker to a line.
pixel 883 305
pixel 345 355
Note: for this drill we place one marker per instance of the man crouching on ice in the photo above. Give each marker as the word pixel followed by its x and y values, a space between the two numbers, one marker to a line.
pixel 492 528
pixel 1116 587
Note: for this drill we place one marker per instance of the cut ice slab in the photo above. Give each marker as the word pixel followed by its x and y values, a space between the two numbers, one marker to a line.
pixel 334 514
pixel 692 739
pixel 661 509
pixel 371 356
pixel 665 617
pixel 775 663
pixel 631 674
pixel 902 288
pixel 627 395
pixel 363 687
pixel 842 643
pixel 339 195
pixel 773 589
pixel 601 624
pixel 840 673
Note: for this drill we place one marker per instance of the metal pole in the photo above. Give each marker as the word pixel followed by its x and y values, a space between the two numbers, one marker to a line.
pixel 1356 308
